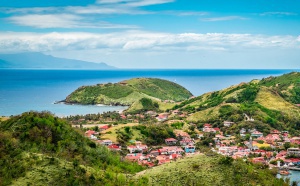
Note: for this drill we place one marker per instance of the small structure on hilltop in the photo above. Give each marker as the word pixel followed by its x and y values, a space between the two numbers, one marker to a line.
pixel 247 118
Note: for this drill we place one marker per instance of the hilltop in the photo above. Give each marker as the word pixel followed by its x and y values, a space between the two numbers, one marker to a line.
pixel 40 149
pixel 42 61
pixel 140 93
pixel 273 101
pixel 210 170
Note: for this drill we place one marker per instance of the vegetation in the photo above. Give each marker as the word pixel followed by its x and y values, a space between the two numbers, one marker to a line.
pixel 40 149
pixel 287 86
pixel 269 101
pixel 211 170
pixel 128 92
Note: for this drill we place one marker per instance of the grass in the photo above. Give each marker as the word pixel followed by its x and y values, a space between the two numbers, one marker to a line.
pixel 208 114
pixel 111 132
pixel 2 118
pixel 205 170
pixel 128 94
pixel 270 100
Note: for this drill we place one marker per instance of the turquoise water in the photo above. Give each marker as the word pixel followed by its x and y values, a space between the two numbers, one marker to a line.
pixel 25 90
pixel 295 176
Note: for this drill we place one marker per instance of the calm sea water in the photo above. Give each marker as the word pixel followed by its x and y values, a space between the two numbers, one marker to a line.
pixel 25 90
pixel 295 176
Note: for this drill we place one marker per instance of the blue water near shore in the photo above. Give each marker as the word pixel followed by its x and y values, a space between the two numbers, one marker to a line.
pixel 25 90
pixel 294 176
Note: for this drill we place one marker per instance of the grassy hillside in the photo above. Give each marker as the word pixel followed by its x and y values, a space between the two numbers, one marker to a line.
pixel 128 92
pixel 210 170
pixel 287 86
pixel 40 149
pixel 269 101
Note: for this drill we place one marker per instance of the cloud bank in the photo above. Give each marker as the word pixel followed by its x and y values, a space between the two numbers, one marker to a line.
pixel 139 40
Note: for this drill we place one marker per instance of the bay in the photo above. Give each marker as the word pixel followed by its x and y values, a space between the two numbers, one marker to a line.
pixel 25 90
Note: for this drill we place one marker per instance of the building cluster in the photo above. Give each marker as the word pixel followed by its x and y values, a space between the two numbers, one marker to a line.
pixel 260 148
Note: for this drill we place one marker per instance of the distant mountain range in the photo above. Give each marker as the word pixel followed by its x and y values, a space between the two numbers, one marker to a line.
pixel 42 61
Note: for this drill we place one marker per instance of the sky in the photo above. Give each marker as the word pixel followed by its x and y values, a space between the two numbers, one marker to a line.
pixel 157 34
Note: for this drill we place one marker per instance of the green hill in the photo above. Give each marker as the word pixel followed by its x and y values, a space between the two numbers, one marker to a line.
pixel 211 170
pixel 40 149
pixel 129 92
pixel 269 101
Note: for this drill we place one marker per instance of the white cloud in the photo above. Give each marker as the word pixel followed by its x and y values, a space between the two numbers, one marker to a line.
pixel 135 3
pixel 61 21
pixel 225 18
pixel 278 14
pixel 138 40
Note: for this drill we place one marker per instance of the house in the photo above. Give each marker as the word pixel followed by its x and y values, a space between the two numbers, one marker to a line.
pixel 271 138
pixel 228 123
pixel 275 132
pixel 123 116
pixel 154 153
pixel 217 130
pixel 206 125
pixel 151 113
pixel 104 127
pixel 200 135
pixel 186 142
pixel 162 117
pixel 162 159
pixel 228 150
pixel 259 160
pixel 93 137
pixel 171 150
pixel 133 148
pixel 175 156
pixel 133 157
pixel 106 142
pixel 256 134
pixel 137 143
pixel 181 134
pixel 190 148
pixel 293 152
pixel 137 148
pixel 242 132
pixel 175 112
pixel 89 133
pixel 114 147
pixel 171 141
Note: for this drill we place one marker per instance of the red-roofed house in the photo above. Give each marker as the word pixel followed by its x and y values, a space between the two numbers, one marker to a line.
pixel 114 147
pixel 104 127
pixel 162 117
pixel 171 141
pixel 123 116
pixel 259 160
pixel 186 142
pixel 275 132
pixel 271 138
pixel 89 133
pixel 207 125
pixel 133 157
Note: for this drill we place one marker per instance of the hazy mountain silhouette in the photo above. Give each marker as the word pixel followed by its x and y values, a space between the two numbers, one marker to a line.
pixel 40 60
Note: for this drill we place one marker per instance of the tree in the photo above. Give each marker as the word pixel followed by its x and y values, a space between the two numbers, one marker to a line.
pixel 287 145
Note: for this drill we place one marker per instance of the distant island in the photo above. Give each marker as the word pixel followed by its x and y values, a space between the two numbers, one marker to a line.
pixel 42 61
pixel 139 93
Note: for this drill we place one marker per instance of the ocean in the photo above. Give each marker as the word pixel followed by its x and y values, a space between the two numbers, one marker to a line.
pixel 25 90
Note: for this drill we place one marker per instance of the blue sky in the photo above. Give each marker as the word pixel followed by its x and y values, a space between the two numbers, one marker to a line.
pixel 157 33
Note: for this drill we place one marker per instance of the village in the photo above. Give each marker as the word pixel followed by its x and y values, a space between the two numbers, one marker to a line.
pixel 275 149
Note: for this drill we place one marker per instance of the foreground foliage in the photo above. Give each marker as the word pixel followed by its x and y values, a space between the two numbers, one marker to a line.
pixel 40 146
